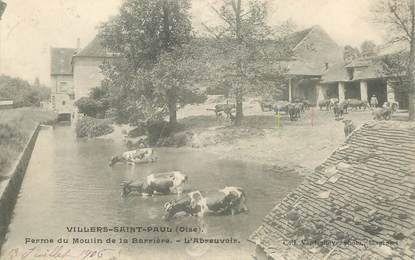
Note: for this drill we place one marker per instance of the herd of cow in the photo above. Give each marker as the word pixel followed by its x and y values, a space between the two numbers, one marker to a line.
pixel 296 108
pixel 229 200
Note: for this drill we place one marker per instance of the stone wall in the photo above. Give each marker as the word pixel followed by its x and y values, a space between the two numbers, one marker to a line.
pixel 10 187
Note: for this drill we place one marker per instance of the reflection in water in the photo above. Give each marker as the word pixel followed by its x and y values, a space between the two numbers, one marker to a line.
pixel 69 183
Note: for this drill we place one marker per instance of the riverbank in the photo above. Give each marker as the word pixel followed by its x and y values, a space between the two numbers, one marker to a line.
pixel 302 144
pixel 16 127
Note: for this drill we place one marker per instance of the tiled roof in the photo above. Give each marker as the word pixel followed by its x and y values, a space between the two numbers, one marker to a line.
pixel 363 193
pixel 371 68
pixel 295 38
pixel 360 62
pixel 299 67
pixel 310 50
pixel 94 49
pixel 372 71
pixel 335 72
pixel 61 61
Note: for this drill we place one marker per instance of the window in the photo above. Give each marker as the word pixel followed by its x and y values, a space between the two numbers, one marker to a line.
pixel 62 87
pixel 63 103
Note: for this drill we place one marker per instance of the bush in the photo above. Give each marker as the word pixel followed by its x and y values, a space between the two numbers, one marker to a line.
pixel 161 129
pixel 88 106
pixel 91 127
pixel 136 132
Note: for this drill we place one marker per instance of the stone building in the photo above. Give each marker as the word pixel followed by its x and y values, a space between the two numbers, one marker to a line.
pixel 358 204
pixel 359 79
pixel 61 75
pixel 86 67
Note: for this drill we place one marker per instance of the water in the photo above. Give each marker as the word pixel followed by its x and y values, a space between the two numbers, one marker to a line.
pixel 68 183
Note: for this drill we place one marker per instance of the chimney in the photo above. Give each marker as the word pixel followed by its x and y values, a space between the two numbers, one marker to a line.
pixel 78 44
pixel 326 65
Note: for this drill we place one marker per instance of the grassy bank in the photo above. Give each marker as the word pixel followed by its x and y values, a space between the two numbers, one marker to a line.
pixel 16 126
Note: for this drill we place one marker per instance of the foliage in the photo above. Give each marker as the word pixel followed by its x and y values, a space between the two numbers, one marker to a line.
pixel 368 49
pixel 350 53
pixel 153 37
pixel 91 127
pixel 21 92
pixel 246 52
pixel 398 20
pixel 96 104
pixel 158 130
pixel 88 106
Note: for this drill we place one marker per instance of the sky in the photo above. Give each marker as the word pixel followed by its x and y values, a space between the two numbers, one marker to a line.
pixel 29 28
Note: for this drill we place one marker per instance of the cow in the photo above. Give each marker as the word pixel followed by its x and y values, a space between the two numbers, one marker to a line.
pixel 226 108
pixel 384 113
pixel 324 103
pixel 358 104
pixel 338 109
pixel 333 102
pixel 141 155
pixel 305 105
pixel 349 127
pixel 266 105
pixel 281 106
pixel 345 104
pixel 294 110
pixel 230 200
pixel 159 183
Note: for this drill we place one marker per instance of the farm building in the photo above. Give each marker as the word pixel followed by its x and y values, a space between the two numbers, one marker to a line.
pixel 359 79
pixel 317 71
pixel 358 204
pixel 313 52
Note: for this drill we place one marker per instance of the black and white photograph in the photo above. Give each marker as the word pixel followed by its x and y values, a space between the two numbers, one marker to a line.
pixel 207 129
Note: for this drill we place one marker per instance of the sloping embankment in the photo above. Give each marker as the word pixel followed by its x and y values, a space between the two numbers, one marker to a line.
pixel 10 187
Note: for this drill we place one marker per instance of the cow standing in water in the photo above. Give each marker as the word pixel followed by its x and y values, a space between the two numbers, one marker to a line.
pixel 159 183
pixel 141 155
pixel 230 200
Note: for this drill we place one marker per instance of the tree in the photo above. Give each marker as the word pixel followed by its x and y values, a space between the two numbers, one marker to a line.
pixel 350 53
pixel 36 83
pixel 246 51
pixel 368 49
pixel 144 33
pixel 398 19
pixel 21 92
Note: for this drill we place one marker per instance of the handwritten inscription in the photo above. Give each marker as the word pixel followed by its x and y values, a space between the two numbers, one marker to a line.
pixel 61 252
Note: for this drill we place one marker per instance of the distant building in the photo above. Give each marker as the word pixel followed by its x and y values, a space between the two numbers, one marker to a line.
pixel 86 67
pixel 358 204
pixel 62 88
